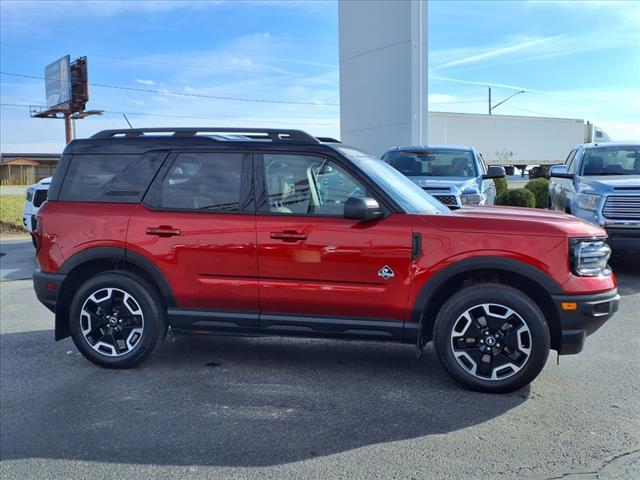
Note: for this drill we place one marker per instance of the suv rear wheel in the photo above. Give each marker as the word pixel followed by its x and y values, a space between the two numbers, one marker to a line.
pixel 115 320
pixel 492 338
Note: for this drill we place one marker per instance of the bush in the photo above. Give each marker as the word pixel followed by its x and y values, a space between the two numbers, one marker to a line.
pixel 540 189
pixel 518 197
pixel 501 185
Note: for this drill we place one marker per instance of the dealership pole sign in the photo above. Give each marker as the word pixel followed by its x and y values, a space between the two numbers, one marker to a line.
pixel 57 77
pixel 67 92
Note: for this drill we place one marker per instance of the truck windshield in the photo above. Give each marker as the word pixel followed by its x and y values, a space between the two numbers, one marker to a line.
pixel 612 161
pixel 436 162
pixel 407 194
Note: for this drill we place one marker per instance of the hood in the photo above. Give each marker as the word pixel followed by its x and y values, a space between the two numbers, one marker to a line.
pixel 44 182
pixel 515 221
pixel 603 184
pixel 455 185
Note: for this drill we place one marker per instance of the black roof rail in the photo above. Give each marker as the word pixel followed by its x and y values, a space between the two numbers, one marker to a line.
pixel 275 135
pixel 328 140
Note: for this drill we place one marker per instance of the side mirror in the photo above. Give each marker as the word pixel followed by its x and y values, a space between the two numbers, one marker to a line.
pixel 494 172
pixel 559 171
pixel 364 209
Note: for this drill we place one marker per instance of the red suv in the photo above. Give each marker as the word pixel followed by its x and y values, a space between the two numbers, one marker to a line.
pixel 274 232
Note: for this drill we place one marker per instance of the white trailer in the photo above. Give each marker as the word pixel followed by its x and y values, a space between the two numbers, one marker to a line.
pixel 513 140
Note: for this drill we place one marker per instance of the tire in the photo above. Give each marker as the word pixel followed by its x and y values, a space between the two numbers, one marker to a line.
pixel 115 319
pixel 514 326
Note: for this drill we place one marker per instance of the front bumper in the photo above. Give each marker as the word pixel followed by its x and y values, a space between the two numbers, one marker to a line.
pixel 623 239
pixel 29 222
pixel 47 286
pixel 591 312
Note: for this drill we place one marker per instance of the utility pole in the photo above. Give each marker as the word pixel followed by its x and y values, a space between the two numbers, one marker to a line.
pixel 489 100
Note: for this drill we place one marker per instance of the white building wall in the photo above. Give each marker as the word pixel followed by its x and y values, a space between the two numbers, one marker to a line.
pixel 383 73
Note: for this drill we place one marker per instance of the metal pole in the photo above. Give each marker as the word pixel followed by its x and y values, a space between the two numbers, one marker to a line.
pixel 68 127
pixel 489 100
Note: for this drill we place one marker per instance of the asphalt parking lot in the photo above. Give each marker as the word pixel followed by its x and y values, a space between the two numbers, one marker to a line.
pixel 222 407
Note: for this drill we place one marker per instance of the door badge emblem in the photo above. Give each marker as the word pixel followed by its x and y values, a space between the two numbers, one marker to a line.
pixel 386 273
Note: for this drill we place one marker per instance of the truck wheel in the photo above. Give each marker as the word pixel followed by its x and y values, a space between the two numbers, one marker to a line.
pixel 116 319
pixel 491 338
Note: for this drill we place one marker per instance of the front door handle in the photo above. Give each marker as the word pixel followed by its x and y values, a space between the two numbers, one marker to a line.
pixel 163 231
pixel 288 236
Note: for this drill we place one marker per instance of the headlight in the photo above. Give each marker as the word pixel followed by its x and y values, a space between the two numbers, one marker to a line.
pixel 30 194
pixel 473 199
pixel 588 201
pixel 589 258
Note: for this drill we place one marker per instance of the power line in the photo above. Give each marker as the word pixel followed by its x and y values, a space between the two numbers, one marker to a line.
pixel 217 97
pixel 185 94
pixel 528 111
pixel 187 117
pixel 470 83
pixel 173 64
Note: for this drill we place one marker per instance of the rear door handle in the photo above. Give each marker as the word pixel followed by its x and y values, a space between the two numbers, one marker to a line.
pixel 163 231
pixel 288 236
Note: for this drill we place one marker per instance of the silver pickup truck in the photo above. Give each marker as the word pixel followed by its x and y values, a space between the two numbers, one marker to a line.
pixel 600 183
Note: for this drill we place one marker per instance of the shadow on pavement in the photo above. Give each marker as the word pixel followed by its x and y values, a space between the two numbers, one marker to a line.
pixel 17 260
pixel 627 271
pixel 227 401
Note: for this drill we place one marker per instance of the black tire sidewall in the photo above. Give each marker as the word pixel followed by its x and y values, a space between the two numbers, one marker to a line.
pixel 502 295
pixel 151 309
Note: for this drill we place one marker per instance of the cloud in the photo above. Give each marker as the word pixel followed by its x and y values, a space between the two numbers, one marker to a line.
pixel 531 50
pixel 144 82
pixel 494 52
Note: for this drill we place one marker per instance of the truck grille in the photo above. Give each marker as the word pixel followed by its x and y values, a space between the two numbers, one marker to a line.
pixel 448 200
pixel 39 197
pixel 622 207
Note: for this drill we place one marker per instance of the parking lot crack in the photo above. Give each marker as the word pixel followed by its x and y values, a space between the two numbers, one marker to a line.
pixel 596 472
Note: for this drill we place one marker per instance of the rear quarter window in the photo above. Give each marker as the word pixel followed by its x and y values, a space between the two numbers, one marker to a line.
pixel 109 178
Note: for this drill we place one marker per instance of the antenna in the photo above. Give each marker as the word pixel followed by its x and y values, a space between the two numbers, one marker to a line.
pixel 125 117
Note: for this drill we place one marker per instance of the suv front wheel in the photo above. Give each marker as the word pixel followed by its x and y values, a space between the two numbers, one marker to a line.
pixel 116 320
pixel 492 338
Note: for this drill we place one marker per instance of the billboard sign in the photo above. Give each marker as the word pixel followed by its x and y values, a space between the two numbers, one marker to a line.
pixel 58 82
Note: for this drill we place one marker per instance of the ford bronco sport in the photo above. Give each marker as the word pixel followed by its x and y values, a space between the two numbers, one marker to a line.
pixel 272 232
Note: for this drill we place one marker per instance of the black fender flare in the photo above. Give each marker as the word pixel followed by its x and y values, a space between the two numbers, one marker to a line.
pixel 125 257
pixel 430 287
pixel 117 254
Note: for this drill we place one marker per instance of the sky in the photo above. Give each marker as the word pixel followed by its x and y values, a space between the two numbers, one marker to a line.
pixel 275 63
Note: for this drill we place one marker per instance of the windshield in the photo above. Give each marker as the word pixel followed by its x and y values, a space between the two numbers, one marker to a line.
pixel 612 161
pixel 406 193
pixel 436 162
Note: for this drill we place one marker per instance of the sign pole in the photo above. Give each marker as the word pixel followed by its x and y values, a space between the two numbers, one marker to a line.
pixel 68 127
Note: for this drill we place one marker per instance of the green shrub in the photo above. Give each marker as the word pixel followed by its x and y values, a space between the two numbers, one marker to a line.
pixel 540 189
pixel 501 185
pixel 518 197
pixel 501 199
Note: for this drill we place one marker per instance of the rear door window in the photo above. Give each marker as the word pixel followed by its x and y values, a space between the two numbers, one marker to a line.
pixel 109 178
pixel 203 181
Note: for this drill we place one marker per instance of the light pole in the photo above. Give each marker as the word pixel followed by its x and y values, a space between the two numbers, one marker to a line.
pixel 491 108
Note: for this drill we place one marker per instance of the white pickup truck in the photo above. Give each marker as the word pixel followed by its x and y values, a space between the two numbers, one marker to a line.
pixel 35 197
